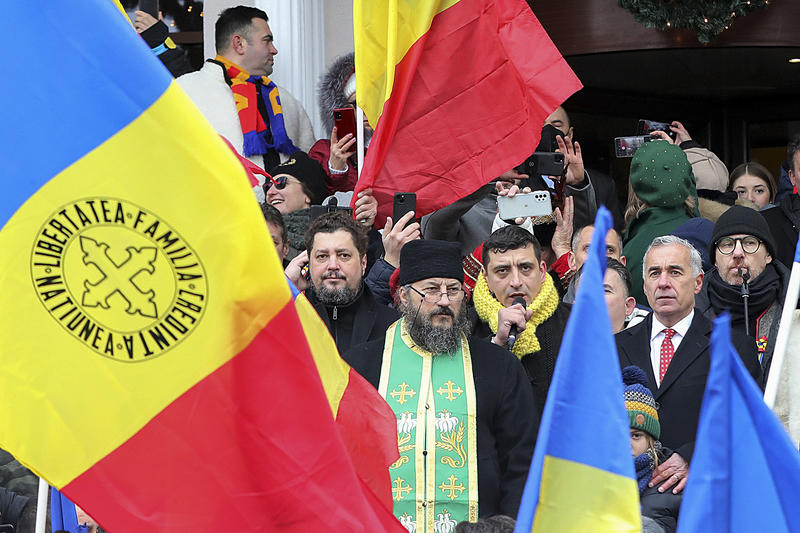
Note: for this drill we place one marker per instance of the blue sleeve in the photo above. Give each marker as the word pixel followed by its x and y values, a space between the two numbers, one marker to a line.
pixel 378 281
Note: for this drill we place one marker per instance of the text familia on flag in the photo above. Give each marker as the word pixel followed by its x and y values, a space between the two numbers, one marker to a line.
pixel 582 475
pixel 155 367
pixel 457 91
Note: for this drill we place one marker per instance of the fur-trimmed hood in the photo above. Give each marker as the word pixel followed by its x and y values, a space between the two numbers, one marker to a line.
pixel 331 87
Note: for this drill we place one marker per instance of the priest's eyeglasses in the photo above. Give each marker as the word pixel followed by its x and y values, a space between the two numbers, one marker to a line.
pixel 727 245
pixel 432 295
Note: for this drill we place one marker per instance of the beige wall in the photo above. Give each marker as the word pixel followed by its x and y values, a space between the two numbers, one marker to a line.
pixel 338 28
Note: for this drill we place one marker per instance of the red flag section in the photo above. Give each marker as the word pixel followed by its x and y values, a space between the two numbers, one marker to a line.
pixel 280 463
pixel 467 103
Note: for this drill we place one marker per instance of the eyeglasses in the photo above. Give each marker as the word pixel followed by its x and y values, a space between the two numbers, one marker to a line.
pixel 727 245
pixel 434 294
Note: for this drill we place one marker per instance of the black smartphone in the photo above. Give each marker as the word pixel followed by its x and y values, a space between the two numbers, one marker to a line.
pixel 150 7
pixel 627 146
pixel 404 202
pixel 645 127
pixel 545 164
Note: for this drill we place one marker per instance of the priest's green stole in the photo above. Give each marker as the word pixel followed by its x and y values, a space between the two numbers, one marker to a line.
pixel 435 481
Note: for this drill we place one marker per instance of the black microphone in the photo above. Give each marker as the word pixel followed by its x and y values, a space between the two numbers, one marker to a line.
pixel 333 202
pixel 512 333
pixel 745 275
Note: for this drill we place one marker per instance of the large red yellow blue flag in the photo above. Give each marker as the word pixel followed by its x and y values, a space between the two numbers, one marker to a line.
pixel 154 362
pixel 582 476
pixel 457 91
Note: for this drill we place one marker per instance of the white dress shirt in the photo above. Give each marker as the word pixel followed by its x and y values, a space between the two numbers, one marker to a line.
pixel 657 337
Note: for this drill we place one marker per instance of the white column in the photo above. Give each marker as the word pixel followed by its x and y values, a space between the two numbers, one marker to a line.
pixel 299 30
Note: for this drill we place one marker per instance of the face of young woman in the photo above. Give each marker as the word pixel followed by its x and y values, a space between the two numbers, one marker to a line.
pixel 753 188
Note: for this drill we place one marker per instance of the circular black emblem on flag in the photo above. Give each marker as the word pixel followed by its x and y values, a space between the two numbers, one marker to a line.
pixel 118 278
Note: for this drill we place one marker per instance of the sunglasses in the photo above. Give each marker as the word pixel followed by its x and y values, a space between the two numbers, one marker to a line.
pixel 279 183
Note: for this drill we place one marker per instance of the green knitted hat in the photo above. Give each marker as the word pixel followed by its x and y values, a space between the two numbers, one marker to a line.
pixel 639 402
pixel 661 175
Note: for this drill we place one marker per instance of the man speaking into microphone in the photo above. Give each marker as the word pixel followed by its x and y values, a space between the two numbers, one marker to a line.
pixel 745 280
pixel 518 306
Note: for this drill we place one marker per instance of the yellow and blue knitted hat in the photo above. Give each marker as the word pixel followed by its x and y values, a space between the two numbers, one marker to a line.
pixel 639 402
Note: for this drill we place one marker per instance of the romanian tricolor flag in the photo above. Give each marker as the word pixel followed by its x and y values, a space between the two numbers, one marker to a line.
pixel 154 361
pixel 457 90
pixel 582 476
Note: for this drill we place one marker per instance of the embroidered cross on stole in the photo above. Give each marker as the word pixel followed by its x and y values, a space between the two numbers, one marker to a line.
pixel 435 481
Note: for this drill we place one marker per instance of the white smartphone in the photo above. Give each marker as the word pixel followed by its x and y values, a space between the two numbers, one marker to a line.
pixel 532 204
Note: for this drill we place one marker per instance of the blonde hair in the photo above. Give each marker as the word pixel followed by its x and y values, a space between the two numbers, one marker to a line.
pixel 651 445
pixel 636 205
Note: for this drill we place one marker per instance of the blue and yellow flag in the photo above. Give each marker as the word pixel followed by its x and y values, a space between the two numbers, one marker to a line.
pixel 582 476
pixel 745 473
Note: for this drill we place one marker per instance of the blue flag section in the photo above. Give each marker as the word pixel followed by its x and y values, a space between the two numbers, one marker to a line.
pixel 582 476
pixel 63 516
pixel 745 473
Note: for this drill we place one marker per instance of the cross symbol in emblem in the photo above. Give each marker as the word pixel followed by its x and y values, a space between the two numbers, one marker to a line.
pixel 452 487
pixel 119 278
pixel 403 394
pixel 450 391
pixel 399 491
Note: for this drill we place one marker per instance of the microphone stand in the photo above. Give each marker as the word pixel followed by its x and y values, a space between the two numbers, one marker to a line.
pixel 745 274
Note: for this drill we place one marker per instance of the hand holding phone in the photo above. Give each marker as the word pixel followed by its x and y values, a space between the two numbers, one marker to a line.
pixel 298 271
pixel 396 233
pixel 523 205
pixel 403 203
pixel 646 127
pixel 344 118
pixel 681 134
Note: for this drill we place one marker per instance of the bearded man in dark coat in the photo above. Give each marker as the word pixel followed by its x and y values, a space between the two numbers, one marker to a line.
pixel 466 419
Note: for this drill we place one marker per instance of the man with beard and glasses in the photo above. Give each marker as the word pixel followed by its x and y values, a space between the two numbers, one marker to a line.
pixel 742 244
pixel 469 400
pixel 336 259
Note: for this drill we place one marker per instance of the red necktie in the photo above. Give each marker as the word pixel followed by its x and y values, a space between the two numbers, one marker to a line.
pixel 667 351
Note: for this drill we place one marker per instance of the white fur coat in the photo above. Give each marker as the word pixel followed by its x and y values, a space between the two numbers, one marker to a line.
pixel 214 98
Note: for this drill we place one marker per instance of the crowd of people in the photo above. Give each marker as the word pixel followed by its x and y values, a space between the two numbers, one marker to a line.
pixel 457 317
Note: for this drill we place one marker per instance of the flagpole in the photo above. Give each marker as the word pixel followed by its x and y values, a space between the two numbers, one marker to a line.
pixel 41 506
pixel 360 139
pixel 782 342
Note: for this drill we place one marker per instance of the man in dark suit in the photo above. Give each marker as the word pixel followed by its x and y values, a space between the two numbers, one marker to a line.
pixel 672 346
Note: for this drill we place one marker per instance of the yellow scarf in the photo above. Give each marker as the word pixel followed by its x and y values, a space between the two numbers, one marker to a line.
pixel 543 307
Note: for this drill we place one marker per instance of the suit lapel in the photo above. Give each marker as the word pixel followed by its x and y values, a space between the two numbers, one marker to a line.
pixel 692 345
pixel 637 349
